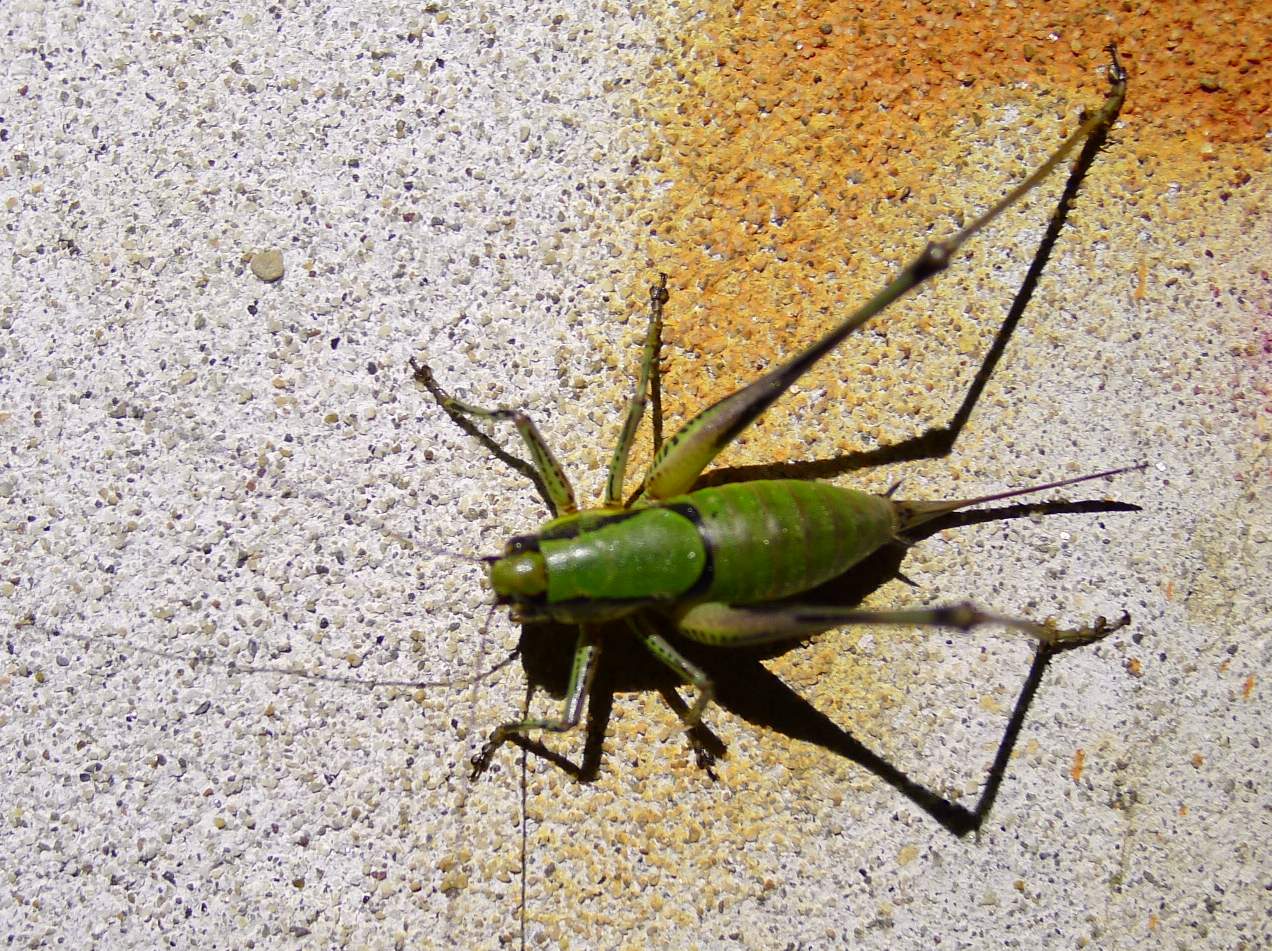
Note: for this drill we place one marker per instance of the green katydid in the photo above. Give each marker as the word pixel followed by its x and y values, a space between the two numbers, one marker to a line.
pixel 726 565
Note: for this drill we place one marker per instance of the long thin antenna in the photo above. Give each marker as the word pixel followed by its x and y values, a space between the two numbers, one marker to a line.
pixel 407 542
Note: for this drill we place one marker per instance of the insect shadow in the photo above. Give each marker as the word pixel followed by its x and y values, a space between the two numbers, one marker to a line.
pixel 746 688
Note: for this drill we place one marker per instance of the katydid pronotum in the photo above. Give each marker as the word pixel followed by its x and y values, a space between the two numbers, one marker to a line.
pixel 727 565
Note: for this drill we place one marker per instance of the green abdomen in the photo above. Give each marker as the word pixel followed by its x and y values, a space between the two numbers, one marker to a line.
pixel 772 538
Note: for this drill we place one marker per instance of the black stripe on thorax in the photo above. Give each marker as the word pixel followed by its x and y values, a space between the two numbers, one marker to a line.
pixel 707 575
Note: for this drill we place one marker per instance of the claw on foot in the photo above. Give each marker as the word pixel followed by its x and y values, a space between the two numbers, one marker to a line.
pixel 481 760
pixel 1052 636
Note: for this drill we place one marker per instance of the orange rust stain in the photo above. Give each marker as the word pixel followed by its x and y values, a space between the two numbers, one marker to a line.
pixel 1197 760
pixel 790 137
pixel 1247 687
pixel 1141 291
pixel 1134 667
pixel 1079 760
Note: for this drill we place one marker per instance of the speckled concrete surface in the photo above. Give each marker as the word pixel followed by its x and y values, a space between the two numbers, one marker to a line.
pixel 224 723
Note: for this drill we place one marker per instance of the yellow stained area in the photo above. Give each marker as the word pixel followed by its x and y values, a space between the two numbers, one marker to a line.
pixel 800 150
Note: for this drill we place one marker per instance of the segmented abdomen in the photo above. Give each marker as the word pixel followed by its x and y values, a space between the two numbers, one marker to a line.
pixel 772 538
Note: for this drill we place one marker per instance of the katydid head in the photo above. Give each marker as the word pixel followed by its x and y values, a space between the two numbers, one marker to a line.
pixel 519 574
pixel 518 577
